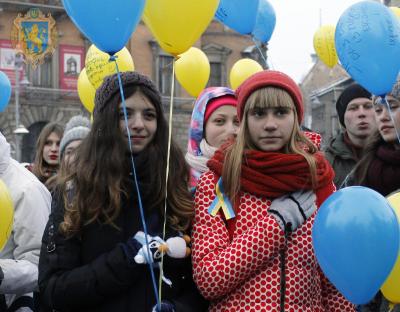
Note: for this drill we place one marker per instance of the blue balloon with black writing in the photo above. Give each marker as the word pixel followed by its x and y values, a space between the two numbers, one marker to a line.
pixel 367 41
pixel 356 241
pixel 5 91
pixel 107 23
pixel 265 22
pixel 238 14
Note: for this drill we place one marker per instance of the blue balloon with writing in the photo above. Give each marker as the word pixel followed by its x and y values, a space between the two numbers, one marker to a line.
pixel 367 41
pixel 238 14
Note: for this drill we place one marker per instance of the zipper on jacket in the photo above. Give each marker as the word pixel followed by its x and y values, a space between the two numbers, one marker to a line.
pixel 288 229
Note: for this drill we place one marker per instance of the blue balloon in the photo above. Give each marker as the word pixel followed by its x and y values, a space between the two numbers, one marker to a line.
pixel 356 241
pixel 5 91
pixel 238 14
pixel 265 22
pixel 107 23
pixel 367 41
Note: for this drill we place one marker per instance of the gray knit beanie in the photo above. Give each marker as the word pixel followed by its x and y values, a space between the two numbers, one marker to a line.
pixel 77 128
pixel 110 87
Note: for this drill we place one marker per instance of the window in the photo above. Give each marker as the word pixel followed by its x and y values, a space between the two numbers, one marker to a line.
pixel 215 75
pixel 165 64
pixel 42 75
pixel 217 55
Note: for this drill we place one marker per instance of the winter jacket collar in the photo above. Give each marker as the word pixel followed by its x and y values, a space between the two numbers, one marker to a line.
pixel 338 147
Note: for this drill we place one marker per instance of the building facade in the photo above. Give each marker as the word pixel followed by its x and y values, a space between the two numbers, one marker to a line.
pixel 51 93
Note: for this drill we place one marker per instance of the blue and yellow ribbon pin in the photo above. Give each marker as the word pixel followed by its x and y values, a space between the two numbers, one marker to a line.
pixel 221 201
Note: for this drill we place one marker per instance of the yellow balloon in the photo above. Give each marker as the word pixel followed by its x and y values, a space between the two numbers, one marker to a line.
pixel 192 70
pixel 86 91
pixel 390 289
pixel 242 70
pixel 98 66
pixel 6 214
pixel 324 45
pixel 396 11
pixel 177 24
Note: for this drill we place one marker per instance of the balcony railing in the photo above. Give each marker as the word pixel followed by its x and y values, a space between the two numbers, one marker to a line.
pixel 40 96
pixel 52 6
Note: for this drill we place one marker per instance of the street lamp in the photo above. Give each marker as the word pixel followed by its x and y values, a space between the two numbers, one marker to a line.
pixel 20 129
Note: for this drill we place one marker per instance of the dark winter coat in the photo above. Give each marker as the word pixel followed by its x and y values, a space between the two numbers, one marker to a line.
pixel 340 157
pixel 92 272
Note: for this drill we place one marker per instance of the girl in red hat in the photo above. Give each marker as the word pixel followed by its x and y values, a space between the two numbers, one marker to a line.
pixel 254 209
pixel 214 121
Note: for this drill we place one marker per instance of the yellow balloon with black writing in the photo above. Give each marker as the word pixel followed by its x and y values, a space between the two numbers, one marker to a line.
pixel 242 70
pixel 98 65
pixel 178 24
pixel 324 45
pixel 192 70
pixel 6 214
pixel 86 91
pixel 390 288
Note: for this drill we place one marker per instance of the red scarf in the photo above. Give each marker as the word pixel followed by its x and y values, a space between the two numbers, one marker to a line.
pixel 269 174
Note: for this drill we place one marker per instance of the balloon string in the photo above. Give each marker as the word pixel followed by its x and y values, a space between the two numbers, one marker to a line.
pixel 261 53
pixel 392 118
pixel 171 106
pixel 153 278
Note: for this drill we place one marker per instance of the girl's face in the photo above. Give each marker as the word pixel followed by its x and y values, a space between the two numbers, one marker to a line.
pixel 51 149
pixel 384 121
pixel 142 121
pixel 270 128
pixel 70 150
pixel 223 124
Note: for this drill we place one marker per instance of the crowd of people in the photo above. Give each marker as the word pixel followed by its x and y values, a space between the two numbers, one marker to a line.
pixel 98 228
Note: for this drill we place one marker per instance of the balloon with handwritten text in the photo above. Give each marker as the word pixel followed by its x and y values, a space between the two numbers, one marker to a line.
pixel 98 66
pixel 367 40
pixel 324 45
pixel 238 15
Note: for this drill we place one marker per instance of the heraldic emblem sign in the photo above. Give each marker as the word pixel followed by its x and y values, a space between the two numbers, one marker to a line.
pixel 34 35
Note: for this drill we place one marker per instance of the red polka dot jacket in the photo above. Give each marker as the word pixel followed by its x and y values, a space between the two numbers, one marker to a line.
pixel 243 272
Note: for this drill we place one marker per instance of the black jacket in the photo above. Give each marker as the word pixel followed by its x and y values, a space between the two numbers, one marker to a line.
pixel 92 273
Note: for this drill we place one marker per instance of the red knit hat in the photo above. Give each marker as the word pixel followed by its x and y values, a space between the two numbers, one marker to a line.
pixel 269 78
pixel 216 103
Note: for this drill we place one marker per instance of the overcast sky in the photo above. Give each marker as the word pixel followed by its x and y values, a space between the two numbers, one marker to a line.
pixel 296 22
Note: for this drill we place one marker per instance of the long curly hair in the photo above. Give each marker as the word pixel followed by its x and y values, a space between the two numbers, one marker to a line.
pixel 100 176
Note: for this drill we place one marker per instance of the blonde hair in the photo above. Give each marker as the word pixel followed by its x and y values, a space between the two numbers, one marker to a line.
pixel 298 143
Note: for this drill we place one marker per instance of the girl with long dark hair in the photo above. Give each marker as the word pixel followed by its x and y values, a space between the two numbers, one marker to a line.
pixel 91 247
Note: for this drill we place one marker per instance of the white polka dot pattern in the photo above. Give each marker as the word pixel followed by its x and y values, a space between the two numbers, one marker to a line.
pixel 244 274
